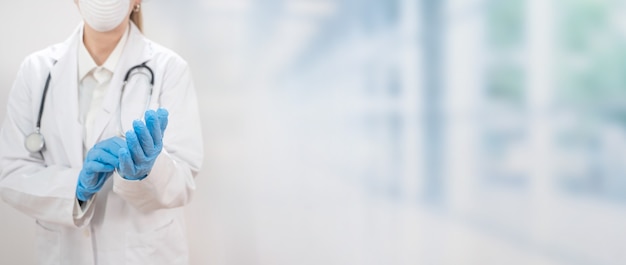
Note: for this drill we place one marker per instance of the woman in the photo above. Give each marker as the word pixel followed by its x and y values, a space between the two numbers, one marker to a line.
pixel 100 196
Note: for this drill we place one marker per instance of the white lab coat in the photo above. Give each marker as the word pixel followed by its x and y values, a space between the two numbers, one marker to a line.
pixel 127 222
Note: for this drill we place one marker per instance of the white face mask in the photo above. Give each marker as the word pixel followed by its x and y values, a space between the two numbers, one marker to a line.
pixel 104 15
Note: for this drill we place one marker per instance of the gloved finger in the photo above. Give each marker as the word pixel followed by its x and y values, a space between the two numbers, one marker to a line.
pixel 95 182
pixel 162 115
pixel 127 166
pixel 82 194
pixel 152 122
pixel 101 177
pixel 97 167
pixel 145 139
pixel 136 151
pixel 102 156
pixel 87 179
pixel 111 145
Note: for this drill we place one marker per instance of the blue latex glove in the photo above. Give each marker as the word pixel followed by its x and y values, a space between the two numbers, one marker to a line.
pixel 100 162
pixel 144 144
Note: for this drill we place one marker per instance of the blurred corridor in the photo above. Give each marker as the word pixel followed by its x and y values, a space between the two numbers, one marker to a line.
pixel 383 132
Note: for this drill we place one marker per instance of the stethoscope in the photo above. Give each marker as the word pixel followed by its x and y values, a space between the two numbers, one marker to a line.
pixel 35 142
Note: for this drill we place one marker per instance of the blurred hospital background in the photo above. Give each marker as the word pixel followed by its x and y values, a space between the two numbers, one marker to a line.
pixel 384 132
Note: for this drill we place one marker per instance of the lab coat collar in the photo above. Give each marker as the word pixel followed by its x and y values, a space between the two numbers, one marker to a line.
pixel 63 95
pixel 60 51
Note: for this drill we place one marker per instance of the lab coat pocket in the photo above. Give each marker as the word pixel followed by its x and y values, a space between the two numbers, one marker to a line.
pixel 48 245
pixel 164 245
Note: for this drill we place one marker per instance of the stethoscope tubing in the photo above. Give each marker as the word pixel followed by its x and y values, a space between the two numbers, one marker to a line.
pixel 37 133
pixel 143 65
pixel 43 102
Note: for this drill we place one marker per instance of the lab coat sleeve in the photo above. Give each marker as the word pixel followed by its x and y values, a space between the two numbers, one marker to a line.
pixel 27 183
pixel 171 184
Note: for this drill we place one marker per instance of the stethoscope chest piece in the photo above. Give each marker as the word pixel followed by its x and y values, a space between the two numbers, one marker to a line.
pixel 34 142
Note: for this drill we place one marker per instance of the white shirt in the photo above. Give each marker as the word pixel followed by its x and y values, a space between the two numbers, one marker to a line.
pixel 93 83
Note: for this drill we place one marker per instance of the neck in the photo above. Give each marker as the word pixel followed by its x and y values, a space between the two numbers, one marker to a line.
pixel 100 45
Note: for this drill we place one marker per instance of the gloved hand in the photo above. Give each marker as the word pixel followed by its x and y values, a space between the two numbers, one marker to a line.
pixel 100 162
pixel 144 145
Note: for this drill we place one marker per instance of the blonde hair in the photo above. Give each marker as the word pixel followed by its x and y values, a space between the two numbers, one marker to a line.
pixel 137 18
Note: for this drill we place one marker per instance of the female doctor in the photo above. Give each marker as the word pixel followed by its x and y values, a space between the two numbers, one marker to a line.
pixel 101 143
